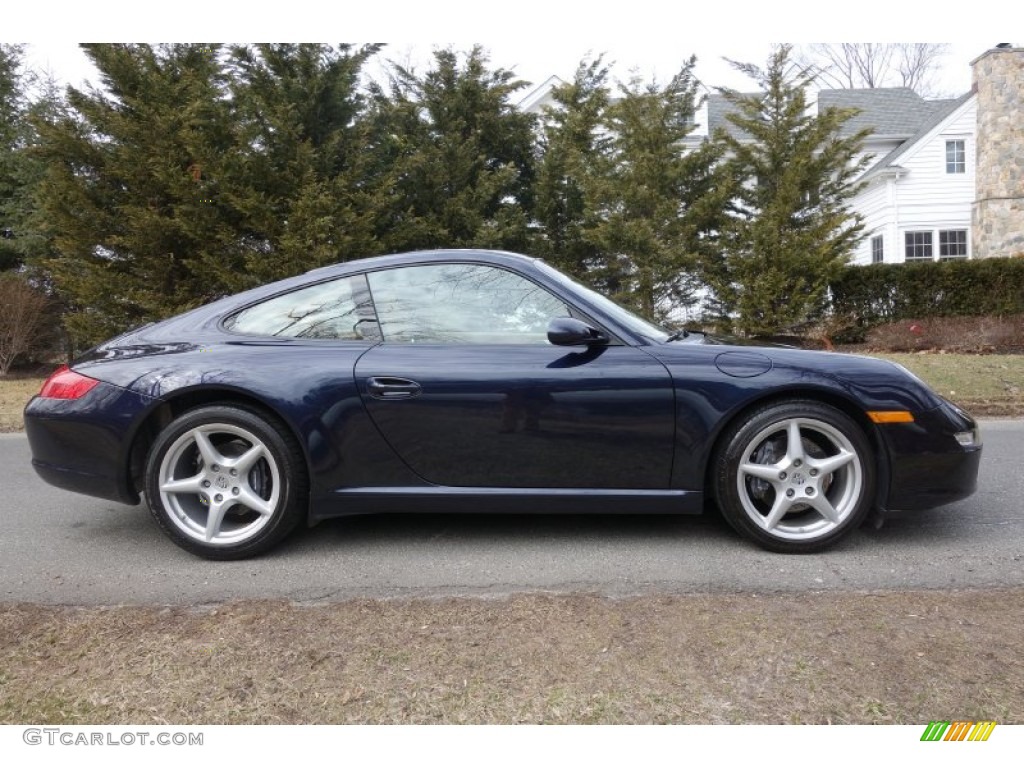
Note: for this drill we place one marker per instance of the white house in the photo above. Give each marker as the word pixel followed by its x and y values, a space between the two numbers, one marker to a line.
pixel 919 184
pixel 945 177
pixel 954 187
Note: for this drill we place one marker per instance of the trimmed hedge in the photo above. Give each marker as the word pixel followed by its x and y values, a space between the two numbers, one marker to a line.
pixel 866 296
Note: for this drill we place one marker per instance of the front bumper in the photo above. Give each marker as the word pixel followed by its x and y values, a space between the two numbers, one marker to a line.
pixel 82 445
pixel 928 465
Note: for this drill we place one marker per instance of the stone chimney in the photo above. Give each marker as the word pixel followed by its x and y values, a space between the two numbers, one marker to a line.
pixel 998 210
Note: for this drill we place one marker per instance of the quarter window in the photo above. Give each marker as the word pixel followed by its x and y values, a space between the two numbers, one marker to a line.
pixel 953 244
pixel 877 252
pixel 956 156
pixel 918 246
pixel 339 309
pixel 461 304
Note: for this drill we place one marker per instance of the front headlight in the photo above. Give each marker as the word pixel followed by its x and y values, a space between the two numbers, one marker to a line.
pixel 969 439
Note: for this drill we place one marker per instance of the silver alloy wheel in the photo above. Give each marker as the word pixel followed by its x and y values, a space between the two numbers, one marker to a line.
pixel 806 489
pixel 220 484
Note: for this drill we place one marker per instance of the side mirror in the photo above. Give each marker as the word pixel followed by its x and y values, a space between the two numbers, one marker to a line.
pixel 570 332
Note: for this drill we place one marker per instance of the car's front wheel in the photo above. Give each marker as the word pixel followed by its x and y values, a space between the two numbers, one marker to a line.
pixel 795 476
pixel 225 483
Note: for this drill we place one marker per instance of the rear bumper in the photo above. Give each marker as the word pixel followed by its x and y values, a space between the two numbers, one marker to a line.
pixel 929 467
pixel 82 445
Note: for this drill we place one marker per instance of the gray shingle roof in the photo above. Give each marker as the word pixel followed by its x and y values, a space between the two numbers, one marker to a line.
pixel 939 111
pixel 893 112
pixel 718 108
pixel 886 111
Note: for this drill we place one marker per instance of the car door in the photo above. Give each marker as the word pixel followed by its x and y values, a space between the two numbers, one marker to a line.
pixel 468 391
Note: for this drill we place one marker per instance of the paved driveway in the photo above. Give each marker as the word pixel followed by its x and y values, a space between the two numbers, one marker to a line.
pixel 59 547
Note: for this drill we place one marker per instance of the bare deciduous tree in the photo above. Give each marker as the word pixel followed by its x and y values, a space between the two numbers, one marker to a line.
pixel 876 65
pixel 23 319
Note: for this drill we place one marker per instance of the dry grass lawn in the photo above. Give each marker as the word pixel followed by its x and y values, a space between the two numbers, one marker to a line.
pixel 14 394
pixel 986 385
pixel 809 658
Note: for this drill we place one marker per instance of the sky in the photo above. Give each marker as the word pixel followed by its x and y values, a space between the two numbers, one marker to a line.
pixel 535 39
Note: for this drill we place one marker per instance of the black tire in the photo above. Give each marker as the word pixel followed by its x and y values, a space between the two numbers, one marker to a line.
pixel 796 499
pixel 225 482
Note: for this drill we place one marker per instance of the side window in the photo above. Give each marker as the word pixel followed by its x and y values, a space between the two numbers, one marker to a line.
pixel 952 244
pixel 339 309
pixel 918 246
pixel 462 304
pixel 956 156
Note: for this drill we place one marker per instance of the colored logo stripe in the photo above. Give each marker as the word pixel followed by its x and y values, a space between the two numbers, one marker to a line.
pixel 982 731
pixel 958 730
pixel 935 730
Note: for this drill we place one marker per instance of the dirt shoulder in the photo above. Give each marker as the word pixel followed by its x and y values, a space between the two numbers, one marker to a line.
pixel 809 658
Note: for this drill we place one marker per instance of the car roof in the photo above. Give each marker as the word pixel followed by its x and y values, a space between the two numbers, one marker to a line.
pixel 425 257
pixel 210 313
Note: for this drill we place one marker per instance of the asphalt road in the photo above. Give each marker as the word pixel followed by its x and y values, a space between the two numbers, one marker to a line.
pixel 61 548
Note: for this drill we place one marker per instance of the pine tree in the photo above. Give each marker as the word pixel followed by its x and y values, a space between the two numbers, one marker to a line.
pixel 651 196
pixel 30 318
pixel 573 144
pixel 301 163
pixel 133 189
pixel 453 156
pixel 12 158
pixel 33 228
pixel 789 228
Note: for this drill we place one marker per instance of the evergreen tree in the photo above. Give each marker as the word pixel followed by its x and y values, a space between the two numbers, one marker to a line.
pixel 12 141
pixel 653 196
pixel 573 144
pixel 134 189
pixel 789 228
pixel 453 156
pixel 301 163
pixel 34 231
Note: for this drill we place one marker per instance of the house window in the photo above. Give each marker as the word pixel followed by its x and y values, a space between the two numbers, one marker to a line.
pixel 877 250
pixel 952 244
pixel 918 246
pixel 956 157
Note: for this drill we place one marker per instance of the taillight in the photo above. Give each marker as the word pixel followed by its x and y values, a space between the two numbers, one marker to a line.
pixel 65 384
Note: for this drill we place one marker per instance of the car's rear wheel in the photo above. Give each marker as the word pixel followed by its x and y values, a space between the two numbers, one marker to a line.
pixel 795 476
pixel 225 483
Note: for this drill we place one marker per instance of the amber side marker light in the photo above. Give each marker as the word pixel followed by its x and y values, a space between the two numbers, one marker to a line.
pixel 891 417
pixel 65 384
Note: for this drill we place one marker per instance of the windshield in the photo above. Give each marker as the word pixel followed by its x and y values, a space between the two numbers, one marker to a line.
pixel 619 314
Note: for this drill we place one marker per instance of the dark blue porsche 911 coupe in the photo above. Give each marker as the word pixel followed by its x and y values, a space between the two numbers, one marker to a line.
pixel 482 382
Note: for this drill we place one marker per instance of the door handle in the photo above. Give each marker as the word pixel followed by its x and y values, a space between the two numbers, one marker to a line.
pixel 392 387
